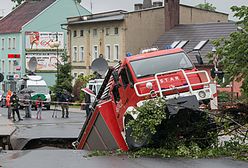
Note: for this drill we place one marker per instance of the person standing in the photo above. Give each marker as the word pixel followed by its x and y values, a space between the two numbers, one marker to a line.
pixel 65 98
pixel 87 104
pixel 8 105
pixel 39 105
pixel 27 103
pixel 14 99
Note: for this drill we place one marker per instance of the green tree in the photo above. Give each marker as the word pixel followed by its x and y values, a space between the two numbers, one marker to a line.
pixel 233 51
pixel 80 83
pixel 206 6
pixel 64 78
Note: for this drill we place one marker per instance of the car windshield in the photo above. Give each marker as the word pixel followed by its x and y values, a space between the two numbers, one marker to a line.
pixel 163 63
pixel 39 89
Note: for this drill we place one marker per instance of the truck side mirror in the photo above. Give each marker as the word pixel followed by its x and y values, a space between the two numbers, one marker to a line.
pixel 89 92
pixel 50 92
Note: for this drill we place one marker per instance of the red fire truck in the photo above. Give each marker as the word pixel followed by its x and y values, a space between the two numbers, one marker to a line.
pixel 166 73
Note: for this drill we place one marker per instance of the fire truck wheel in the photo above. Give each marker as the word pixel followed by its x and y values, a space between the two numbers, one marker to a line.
pixel 131 141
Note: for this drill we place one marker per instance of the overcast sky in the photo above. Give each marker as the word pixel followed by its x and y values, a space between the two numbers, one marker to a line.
pixel 106 5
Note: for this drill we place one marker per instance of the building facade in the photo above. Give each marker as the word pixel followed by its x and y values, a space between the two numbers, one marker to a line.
pixel 114 34
pixel 26 33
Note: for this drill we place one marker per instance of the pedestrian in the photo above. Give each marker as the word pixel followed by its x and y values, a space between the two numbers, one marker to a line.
pixel 8 105
pixel 87 104
pixel 39 105
pixel 64 100
pixel 27 103
pixel 14 100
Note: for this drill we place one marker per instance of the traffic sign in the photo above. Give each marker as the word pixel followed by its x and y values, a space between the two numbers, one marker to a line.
pixel 16 76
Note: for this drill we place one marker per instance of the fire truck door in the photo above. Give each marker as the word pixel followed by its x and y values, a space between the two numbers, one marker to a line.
pixel 124 89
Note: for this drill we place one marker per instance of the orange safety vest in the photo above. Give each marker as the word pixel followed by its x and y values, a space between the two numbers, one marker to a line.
pixel 8 100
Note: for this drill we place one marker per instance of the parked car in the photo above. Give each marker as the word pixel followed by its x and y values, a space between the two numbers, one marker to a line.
pixel 2 98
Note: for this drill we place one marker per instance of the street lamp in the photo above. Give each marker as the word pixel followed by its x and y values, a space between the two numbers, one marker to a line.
pixel 56 44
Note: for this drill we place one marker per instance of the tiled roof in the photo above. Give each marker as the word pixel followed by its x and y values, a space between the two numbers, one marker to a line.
pixel 14 21
pixel 196 33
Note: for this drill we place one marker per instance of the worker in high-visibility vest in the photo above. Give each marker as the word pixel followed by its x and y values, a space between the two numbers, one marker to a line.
pixel 8 105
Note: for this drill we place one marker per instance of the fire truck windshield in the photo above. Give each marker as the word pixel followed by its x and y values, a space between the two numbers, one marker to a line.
pixel 163 63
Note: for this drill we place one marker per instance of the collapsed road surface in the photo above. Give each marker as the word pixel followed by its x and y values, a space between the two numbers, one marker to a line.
pixel 58 132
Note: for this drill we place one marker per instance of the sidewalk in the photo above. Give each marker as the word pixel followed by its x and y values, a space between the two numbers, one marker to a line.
pixel 71 109
pixel 6 126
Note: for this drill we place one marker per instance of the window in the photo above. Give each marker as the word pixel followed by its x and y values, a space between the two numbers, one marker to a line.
pixel 94 32
pixel 116 30
pixel 124 77
pixel 116 52
pixel 9 43
pixel 81 54
pixel 10 68
pixel 81 33
pixel 200 45
pixel 108 52
pixel 75 54
pixel 182 44
pixel 174 44
pixel 3 44
pixel 14 43
pixel 107 31
pixel 163 63
pixel 75 33
pixel 3 67
pixel 95 52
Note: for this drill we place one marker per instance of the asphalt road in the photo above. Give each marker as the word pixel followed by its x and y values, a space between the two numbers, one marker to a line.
pixel 47 127
pixel 50 157
pixel 78 159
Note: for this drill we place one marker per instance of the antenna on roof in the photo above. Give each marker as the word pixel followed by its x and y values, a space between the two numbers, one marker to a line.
pixel 91 6
pixel 76 4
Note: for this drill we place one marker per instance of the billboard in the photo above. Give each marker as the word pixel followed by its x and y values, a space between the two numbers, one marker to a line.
pixel 43 40
pixel 46 61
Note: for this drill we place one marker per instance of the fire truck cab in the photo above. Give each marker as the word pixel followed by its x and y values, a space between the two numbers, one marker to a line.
pixel 166 73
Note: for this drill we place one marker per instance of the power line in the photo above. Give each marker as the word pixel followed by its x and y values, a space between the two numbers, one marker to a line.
pixel 76 4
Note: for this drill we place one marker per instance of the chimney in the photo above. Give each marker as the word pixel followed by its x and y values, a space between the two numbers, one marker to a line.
pixel 171 13
pixel 138 6
pixel 147 4
pixel 157 4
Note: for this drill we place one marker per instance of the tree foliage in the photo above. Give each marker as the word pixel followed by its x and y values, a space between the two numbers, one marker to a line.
pixel 64 78
pixel 206 6
pixel 233 51
pixel 80 83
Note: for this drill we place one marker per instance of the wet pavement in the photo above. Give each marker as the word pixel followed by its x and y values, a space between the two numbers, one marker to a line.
pixel 78 159
pixel 47 127
pixel 51 157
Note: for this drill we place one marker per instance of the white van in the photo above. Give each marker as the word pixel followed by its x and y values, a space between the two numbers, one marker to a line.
pixel 38 85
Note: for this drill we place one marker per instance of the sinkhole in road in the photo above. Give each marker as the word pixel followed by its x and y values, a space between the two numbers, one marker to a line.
pixel 60 143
